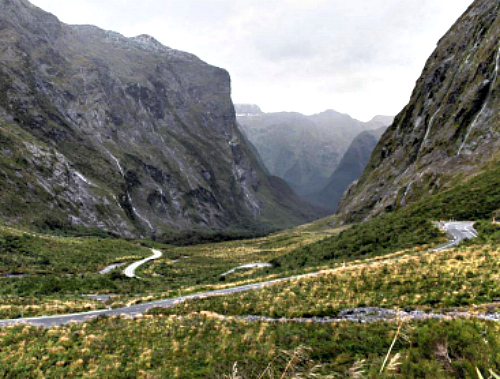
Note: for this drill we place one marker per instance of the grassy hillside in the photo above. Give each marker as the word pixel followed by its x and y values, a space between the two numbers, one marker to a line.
pixel 53 274
pixel 36 254
pixel 209 332
pixel 156 345
pixel 205 346
pixel 464 277
pixel 472 199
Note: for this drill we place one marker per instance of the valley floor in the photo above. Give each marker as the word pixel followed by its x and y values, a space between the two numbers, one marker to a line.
pixel 352 320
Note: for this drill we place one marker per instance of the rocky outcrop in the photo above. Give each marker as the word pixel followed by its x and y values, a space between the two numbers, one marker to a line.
pixel 123 134
pixel 303 150
pixel 448 131
pixel 349 170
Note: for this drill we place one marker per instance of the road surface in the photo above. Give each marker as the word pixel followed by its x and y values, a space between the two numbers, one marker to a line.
pixel 458 230
pixel 110 268
pixel 130 270
pixel 248 266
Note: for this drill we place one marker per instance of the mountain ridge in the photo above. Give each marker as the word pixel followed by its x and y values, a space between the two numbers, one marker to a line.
pixel 449 129
pixel 123 134
pixel 303 150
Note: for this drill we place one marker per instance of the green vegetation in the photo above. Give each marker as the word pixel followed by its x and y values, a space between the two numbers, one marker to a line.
pixel 382 235
pixel 26 306
pixel 475 199
pixel 464 277
pixel 45 274
pixel 206 237
pixel 207 346
pixel 44 255
pixel 488 233
pixel 386 265
pixel 156 345
pixel 186 266
pixel 58 272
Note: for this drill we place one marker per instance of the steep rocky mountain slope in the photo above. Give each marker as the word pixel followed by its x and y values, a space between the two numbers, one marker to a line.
pixel 303 150
pixel 123 134
pixel 349 169
pixel 450 128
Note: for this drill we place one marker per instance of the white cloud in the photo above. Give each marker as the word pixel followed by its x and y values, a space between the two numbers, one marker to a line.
pixel 357 56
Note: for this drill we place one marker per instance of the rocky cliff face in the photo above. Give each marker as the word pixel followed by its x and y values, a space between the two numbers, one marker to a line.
pixel 449 129
pixel 123 134
pixel 349 169
pixel 303 150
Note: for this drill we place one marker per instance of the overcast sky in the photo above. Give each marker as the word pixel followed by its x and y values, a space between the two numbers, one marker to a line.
pixel 360 57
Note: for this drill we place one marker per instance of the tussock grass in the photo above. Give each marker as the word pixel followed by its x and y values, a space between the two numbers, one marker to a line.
pixel 465 277
pixel 204 346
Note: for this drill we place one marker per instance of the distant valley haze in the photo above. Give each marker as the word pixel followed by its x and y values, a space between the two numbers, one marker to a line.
pixel 305 151
pixel 359 57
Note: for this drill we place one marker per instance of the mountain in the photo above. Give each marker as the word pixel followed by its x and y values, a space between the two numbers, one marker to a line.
pixel 303 150
pixel 349 169
pixel 123 134
pixel 380 122
pixel 248 110
pixel 449 132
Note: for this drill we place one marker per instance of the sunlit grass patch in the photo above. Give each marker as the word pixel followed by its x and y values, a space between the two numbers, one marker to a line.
pixel 208 346
pixel 464 277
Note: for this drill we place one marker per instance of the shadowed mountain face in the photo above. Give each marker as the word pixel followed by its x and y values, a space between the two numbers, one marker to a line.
pixel 303 150
pixel 450 128
pixel 349 170
pixel 123 134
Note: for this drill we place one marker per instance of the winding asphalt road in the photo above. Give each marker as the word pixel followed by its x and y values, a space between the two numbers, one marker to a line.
pixel 110 268
pixel 130 270
pixel 459 231
pixel 248 266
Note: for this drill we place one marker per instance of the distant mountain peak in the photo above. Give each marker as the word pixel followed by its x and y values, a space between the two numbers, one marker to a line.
pixel 247 110
pixel 381 120
pixel 333 115
pixel 333 111
pixel 303 150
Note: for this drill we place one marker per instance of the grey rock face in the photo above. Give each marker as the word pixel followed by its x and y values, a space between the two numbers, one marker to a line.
pixel 449 128
pixel 140 138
